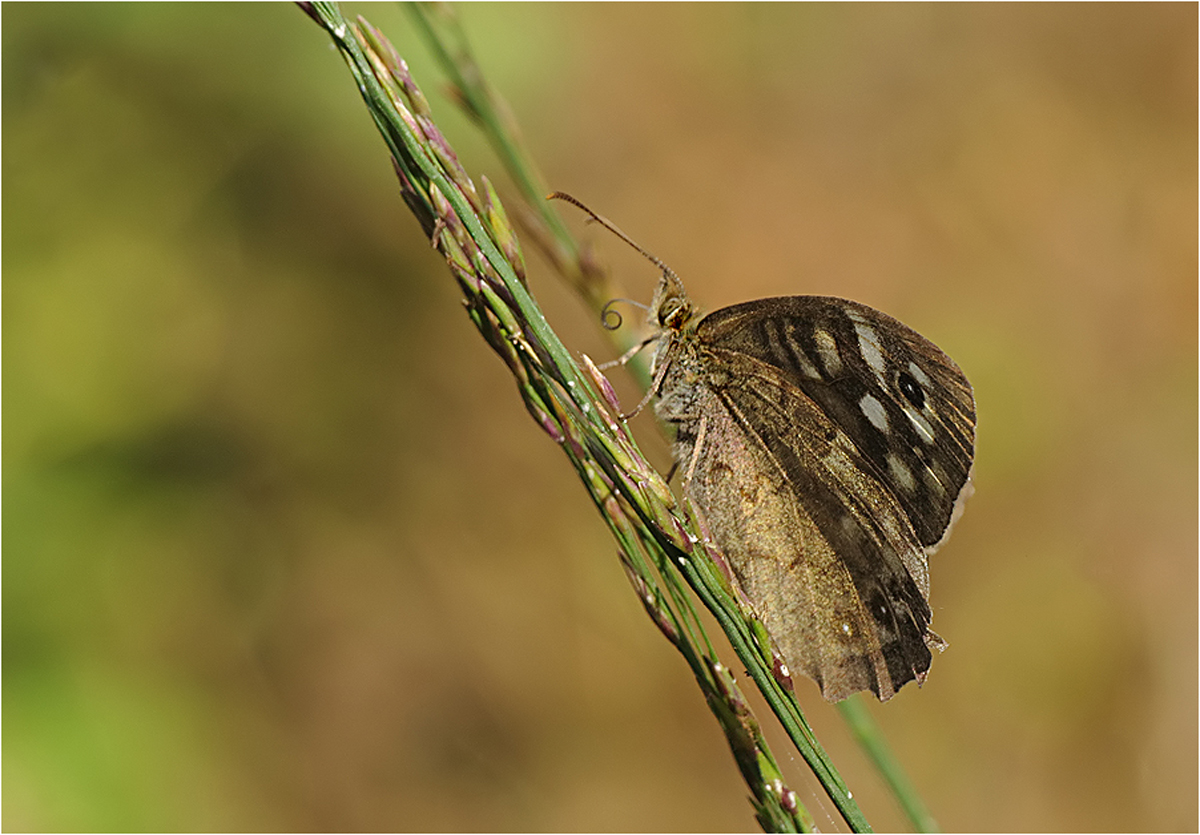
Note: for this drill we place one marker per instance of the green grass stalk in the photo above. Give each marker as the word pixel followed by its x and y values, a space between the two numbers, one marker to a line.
pixel 659 541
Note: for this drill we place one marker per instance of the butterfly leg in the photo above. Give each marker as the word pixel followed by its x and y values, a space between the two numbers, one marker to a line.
pixel 628 355
pixel 655 384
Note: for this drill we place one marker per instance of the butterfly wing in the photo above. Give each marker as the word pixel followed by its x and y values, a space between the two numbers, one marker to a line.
pixel 826 534
pixel 906 406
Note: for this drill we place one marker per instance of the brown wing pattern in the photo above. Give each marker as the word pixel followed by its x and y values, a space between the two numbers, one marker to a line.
pixel 905 405
pixel 836 445
pixel 845 540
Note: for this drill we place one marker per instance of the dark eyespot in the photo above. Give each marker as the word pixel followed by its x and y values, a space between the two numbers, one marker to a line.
pixel 911 390
pixel 673 313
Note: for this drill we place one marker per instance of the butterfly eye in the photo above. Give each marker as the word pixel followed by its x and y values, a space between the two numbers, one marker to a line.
pixel 911 389
pixel 672 313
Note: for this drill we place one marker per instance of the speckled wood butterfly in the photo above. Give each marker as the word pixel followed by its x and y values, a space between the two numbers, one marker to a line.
pixel 828 449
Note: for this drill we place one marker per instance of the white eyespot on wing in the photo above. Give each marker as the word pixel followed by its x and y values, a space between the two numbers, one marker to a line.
pixel 918 375
pixel 923 427
pixel 828 352
pixel 868 344
pixel 873 409
pixel 901 474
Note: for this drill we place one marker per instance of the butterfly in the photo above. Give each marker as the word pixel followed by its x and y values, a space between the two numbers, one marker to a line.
pixel 828 450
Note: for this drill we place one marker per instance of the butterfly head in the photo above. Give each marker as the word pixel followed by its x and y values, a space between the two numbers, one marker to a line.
pixel 671 308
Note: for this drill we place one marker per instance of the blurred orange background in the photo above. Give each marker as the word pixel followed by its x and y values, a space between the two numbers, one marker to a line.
pixel 283 550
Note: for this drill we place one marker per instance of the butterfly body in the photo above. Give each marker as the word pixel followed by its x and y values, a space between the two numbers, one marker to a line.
pixel 828 449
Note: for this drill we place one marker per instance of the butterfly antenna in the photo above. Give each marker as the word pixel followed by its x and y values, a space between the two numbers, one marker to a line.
pixel 611 318
pixel 612 227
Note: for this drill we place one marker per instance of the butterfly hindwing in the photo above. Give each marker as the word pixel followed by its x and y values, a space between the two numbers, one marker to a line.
pixel 880 625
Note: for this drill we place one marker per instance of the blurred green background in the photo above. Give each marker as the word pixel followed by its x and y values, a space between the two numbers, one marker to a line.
pixel 283 550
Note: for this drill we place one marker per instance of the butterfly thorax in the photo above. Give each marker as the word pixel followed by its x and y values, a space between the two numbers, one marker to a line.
pixel 673 317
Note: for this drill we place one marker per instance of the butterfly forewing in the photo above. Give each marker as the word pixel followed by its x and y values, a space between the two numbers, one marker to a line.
pixel 906 406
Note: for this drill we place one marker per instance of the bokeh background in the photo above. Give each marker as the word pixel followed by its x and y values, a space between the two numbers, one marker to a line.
pixel 283 550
